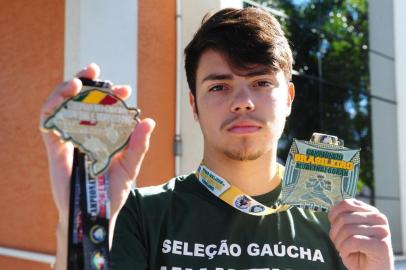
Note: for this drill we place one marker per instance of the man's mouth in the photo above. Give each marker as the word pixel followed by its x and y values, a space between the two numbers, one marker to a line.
pixel 244 127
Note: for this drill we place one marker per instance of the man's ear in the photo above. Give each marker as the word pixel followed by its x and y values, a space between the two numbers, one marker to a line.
pixel 193 105
pixel 291 97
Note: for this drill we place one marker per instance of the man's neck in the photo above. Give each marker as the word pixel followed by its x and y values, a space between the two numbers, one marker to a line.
pixel 254 177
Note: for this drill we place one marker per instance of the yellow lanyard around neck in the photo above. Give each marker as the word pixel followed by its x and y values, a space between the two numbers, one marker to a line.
pixel 233 196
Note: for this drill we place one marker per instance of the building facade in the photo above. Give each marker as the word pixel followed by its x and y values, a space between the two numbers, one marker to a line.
pixel 140 43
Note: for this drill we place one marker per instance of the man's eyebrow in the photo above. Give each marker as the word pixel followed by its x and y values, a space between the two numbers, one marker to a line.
pixel 215 77
pixel 257 72
pixel 251 73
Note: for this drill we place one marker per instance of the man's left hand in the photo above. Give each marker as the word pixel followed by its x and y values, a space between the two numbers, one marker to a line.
pixel 361 235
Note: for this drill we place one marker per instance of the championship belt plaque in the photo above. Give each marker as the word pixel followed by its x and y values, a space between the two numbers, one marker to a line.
pixel 320 173
pixel 99 124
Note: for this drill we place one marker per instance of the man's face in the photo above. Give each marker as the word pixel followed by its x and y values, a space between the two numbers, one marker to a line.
pixel 241 112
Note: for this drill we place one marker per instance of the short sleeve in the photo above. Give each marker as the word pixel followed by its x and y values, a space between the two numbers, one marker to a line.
pixel 128 248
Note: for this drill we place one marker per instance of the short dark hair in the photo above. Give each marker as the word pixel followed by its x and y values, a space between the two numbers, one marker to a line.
pixel 245 37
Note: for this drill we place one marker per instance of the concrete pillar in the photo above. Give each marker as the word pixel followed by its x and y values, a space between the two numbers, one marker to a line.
pixel 93 30
pixel 400 83
pixel 385 117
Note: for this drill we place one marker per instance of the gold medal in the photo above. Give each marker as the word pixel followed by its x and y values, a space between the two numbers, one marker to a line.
pixel 319 173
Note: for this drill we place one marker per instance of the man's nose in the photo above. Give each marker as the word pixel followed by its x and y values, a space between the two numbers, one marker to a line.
pixel 242 101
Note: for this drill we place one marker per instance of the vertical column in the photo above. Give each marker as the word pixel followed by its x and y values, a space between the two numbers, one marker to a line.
pixel 400 82
pixel 104 32
pixel 384 115
pixel 192 140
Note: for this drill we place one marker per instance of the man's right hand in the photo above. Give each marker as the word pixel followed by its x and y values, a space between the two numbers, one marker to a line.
pixel 125 165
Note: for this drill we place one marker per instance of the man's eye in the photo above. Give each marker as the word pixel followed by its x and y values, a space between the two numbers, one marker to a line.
pixel 264 84
pixel 216 88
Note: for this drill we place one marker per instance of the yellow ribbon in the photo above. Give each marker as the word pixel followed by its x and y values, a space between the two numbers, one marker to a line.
pixel 233 196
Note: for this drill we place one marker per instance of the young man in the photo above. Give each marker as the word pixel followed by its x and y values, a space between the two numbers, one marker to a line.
pixel 238 67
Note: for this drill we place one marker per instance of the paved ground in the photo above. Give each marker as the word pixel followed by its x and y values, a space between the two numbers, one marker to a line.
pixel 400 264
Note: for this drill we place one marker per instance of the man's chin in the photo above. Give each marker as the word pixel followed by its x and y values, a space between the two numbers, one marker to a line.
pixel 243 156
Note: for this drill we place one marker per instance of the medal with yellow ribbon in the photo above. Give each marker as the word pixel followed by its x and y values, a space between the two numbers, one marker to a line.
pixel 235 197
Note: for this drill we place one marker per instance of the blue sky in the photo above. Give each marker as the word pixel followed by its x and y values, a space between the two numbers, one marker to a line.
pixel 299 2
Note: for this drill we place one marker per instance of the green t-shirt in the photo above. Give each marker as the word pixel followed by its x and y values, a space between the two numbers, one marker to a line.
pixel 182 226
